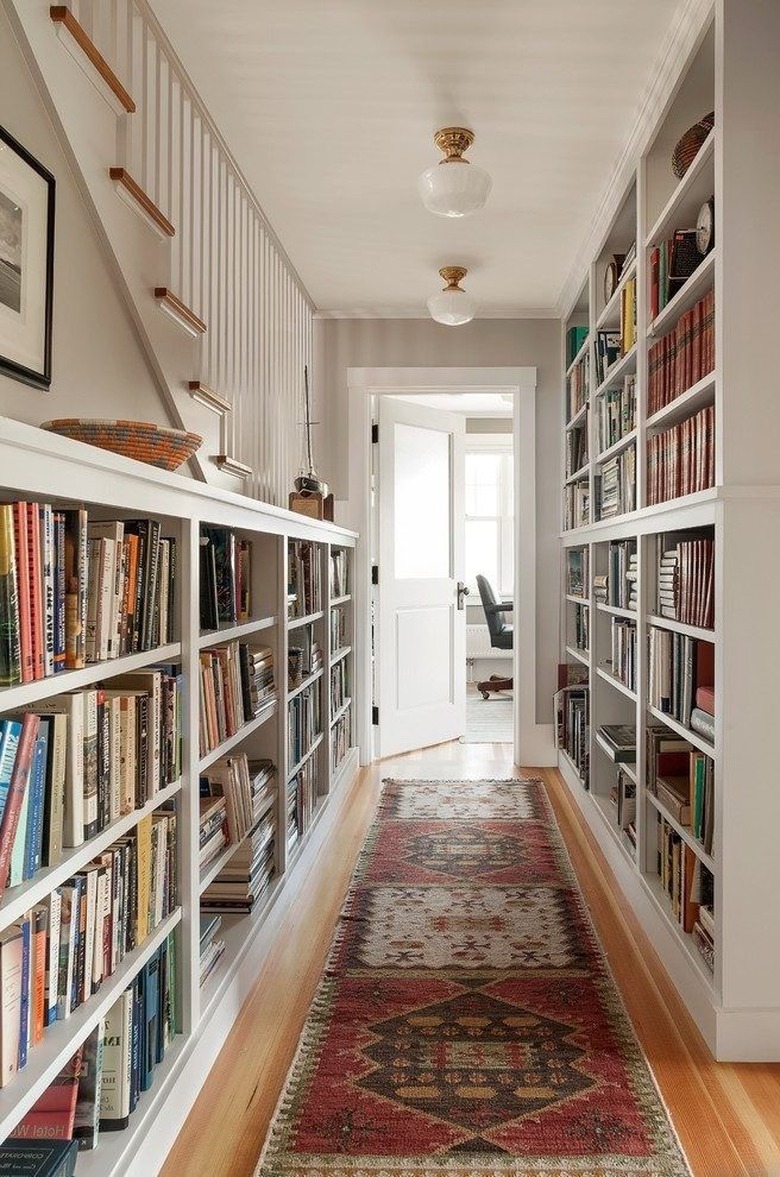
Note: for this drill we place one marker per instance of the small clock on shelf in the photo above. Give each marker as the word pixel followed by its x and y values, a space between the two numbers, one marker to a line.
pixel 612 275
pixel 705 227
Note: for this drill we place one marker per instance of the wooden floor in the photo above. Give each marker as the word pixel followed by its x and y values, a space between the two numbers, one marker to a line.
pixel 727 1116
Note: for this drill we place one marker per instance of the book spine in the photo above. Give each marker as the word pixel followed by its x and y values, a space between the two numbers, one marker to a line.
pixel 24 1004
pixel 23 590
pixel 16 792
pixel 53 957
pixel 59 592
pixel 46 530
pixel 38 1018
pixel 10 647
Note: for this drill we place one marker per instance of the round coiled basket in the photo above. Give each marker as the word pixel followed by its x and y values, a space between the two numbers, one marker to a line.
pixel 688 146
pixel 142 440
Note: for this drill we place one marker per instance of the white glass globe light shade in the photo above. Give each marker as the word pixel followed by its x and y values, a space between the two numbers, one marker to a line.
pixel 452 307
pixel 454 188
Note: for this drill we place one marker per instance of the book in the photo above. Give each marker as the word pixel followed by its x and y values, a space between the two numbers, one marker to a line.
pixel 38 1158
pixel 10 645
pixel 116 1076
pixel 621 739
pixel 11 965
pixel 16 792
pixel 53 1114
pixel 87 1112
pixel 674 795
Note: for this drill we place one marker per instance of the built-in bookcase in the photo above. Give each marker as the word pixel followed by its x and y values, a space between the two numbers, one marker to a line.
pixel 198 655
pixel 674 515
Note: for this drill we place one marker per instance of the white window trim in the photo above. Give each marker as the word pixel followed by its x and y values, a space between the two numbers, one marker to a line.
pixel 497 443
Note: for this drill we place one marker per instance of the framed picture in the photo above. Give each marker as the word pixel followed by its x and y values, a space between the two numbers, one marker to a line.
pixel 26 264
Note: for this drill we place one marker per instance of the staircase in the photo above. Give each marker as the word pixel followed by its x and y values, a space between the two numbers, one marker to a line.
pixel 224 318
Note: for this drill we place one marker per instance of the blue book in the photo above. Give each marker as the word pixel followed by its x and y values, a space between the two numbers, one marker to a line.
pixel 151 987
pixel 10 730
pixel 24 1006
pixel 135 1055
pixel 37 789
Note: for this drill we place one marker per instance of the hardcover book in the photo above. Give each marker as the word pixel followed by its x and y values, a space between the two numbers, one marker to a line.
pixel 38 1158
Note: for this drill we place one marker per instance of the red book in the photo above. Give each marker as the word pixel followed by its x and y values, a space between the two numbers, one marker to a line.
pixel 23 585
pixel 705 699
pixel 52 1116
pixel 13 804
pixel 705 666
pixel 36 588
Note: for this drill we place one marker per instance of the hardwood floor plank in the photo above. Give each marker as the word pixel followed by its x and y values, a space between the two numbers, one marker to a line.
pixel 727 1115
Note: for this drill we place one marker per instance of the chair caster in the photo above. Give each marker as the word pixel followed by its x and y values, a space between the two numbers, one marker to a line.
pixel 485 694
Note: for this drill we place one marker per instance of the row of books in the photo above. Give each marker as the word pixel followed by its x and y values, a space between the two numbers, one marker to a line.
pixel 248 872
pixel 618 586
pixel 225 578
pixel 212 828
pixel 683 877
pixel 237 683
pixel 247 788
pixel 72 764
pixel 57 955
pixel 304 656
pixel 576 504
pixel 683 780
pixel 304 578
pixel 703 935
pixel 683 356
pixel 302 794
pixel 575 337
pixel 671 264
pixel 339 629
pixel 339 572
pixel 75 590
pixel 678 666
pixel 681 460
pixel 303 721
pixel 622 796
pixel 339 685
pixel 341 739
pixel 577 577
pixel 211 948
pixel 623 651
pixel 686 582
pixel 578 386
pixel 616 484
pixel 576 444
pixel 616 413
pixel 571 727
pixel 607 353
pixel 99 1087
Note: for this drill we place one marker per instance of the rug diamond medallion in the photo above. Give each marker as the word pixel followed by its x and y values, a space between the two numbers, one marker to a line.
pixel 466 1024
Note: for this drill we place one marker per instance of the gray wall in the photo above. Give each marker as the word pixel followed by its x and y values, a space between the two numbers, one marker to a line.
pixel 340 344
pixel 99 369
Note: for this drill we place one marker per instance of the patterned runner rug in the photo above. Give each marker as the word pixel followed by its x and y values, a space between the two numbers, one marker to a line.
pixel 467 1023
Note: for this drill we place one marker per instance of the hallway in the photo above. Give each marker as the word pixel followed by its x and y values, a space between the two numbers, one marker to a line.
pixel 726 1115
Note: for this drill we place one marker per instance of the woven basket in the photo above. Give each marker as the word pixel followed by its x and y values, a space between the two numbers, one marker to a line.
pixel 166 448
pixel 687 148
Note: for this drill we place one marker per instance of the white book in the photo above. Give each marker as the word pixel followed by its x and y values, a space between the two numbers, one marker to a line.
pixel 11 952
pixel 46 520
pixel 150 683
pixel 73 707
pixel 53 956
pixel 101 914
pixel 117 1063
pixel 90 898
pixel 114 706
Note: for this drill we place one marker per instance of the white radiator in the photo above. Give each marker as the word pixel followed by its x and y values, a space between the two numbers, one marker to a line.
pixel 478 644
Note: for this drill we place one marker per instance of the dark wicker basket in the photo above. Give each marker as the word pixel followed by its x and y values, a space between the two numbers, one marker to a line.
pixel 153 444
pixel 687 148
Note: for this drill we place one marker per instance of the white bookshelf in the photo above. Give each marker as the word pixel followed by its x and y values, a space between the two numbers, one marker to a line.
pixel 729 70
pixel 39 466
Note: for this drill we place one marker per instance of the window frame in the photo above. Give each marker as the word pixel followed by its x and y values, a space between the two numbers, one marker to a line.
pixel 502 444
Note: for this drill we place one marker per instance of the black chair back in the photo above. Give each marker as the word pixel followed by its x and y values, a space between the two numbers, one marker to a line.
pixel 497 627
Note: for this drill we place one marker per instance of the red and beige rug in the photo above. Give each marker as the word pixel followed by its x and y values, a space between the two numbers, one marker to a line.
pixel 467 1023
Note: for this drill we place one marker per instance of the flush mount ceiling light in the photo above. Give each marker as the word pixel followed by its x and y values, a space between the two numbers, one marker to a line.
pixel 454 187
pixel 452 305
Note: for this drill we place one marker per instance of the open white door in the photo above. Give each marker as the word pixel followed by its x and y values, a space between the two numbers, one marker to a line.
pixel 421 638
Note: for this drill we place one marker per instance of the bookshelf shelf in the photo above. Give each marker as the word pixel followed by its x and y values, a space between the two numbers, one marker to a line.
pixel 579 475
pixel 625 765
pixel 297 622
pixel 654 889
pixel 606 812
pixel 18 900
pixel 684 832
pixel 611 312
pixel 343 709
pixel 238 737
pixel 238 932
pixel 340 655
pixel 579 416
pixel 622 367
pixel 700 394
pixel 616 683
pixel 209 873
pixel 344 600
pixel 580 655
pixel 691 631
pixel 306 756
pixel 700 280
pixel 695 187
pixel 580 355
pixel 12 698
pixel 230 633
pixel 62 1038
pixel 617 447
pixel 577 600
pixel 614 611
pixel 307 682
pixel 681 730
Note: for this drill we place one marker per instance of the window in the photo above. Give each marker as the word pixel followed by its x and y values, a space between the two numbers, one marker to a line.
pixel 490 537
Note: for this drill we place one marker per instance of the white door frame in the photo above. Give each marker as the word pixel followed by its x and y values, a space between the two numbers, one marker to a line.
pixel 533 741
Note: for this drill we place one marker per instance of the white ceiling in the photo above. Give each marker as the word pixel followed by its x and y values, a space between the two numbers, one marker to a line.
pixel 330 108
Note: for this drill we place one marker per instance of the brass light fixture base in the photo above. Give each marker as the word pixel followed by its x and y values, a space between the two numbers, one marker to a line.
pixel 452 275
pixel 453 141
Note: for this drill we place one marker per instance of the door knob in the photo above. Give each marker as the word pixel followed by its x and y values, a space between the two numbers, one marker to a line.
pixel 463 591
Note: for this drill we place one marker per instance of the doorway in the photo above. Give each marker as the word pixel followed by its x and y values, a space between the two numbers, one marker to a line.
pixel 533 740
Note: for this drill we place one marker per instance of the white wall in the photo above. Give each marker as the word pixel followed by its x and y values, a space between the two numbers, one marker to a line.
pixel 340 344
pixel 99 368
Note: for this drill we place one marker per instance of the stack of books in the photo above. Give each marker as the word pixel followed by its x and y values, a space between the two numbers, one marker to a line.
pixel 213 835
pixel 242 881
pixel 616 484
pixel 703 934
pixel 304 657
pixel 231 779
pixel 302 793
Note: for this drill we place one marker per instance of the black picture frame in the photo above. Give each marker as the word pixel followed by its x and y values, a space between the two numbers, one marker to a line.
pixel 27 194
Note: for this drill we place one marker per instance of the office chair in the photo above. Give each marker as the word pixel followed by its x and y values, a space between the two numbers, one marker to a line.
pixel 501 634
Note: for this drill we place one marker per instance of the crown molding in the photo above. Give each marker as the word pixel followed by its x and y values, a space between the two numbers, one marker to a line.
pixel 682 39
pixel 395 313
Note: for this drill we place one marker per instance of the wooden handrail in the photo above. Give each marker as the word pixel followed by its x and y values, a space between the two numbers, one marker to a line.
pixel 123 177
pixel 179 310
pixel 63 16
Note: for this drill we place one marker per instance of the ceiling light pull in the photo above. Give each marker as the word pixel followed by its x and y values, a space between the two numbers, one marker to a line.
pixel 454 187
pixel 452 305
